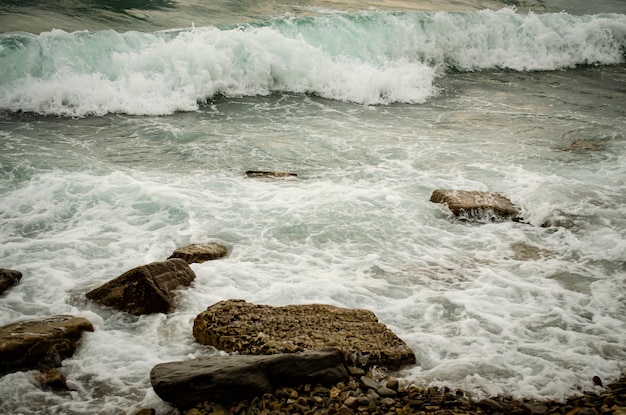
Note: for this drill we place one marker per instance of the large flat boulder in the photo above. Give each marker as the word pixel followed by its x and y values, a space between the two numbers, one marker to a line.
pixel 200 253
pixel 146 289
pixel 483 206
pixel 229 379
pixel 40 343
pixel 8 278
pixel 246 328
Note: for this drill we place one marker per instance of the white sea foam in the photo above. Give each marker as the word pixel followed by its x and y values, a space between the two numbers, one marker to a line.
pixel 370 58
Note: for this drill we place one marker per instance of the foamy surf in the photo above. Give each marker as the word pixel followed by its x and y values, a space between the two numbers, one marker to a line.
pixel 369 58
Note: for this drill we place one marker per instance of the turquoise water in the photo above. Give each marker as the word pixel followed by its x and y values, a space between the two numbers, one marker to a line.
pixel 120 143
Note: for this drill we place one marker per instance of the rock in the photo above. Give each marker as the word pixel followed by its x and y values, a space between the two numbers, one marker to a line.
pixel 483 206
pixel 491 406
pixel 228 379
pixel 239 326
pixel 597 381
pixel 200 253
pixel 8 278
pixel 145 289
pixel 260 173
pixel 366 383
pixel 524 252
pixel 51 378
pixel 393 384
pixel 587 145
pixel 535 408
pixel 40 343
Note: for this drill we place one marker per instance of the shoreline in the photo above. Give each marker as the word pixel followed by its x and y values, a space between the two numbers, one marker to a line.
pixel 363 395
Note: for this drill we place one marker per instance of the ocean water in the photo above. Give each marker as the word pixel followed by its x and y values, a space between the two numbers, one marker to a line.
pixel 126 128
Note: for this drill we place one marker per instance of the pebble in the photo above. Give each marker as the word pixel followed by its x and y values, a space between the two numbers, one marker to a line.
pixel 365 396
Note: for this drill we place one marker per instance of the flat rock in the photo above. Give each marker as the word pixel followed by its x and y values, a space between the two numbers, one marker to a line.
pixel 229 379
pixel 483 206
pixel 239 326
pixel 200 253
pixel 40 343
pixel 8 278
pixel 146 289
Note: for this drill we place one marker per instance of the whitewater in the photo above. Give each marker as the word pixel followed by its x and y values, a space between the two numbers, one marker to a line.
pixel 355 58
pixel 119 145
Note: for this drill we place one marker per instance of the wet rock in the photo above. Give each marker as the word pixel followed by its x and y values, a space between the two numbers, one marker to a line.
pixel 587 145
pixel 597 381
pixel 482 206
pixel 491 406
pixel 410 400
pixel 525 252
pixel 200 253
pixel 51 378
pixel 261 173
pixel 40 343
pixel 228 379
pixel 8 278
pixel 145 289
pixel 239 326
pixel 535 408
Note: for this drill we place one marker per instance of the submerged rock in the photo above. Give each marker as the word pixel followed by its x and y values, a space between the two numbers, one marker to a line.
pixel 40 343
pixel 524 252
pixel 233 378
pixel 239 326
pixel 8 278
pixel 145 289
pixel 51 378
pixel 260 173
pixel 484 206
pixel 200 253
pixel 587 145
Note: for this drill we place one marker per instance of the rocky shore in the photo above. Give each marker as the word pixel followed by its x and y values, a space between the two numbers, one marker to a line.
pixel 361 394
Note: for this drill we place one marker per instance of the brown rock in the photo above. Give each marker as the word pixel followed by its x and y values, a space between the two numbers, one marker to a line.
pixel 483 206
pixel 239 326
pixel 8 278
pixel 51 378
pixel 145 289
pixel 535 408
pixel 41 343
pixel 200 253
pixel 491 406
pixel 228 379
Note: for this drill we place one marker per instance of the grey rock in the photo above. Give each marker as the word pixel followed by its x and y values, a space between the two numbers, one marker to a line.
pixel 227 379
pixel 366 383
